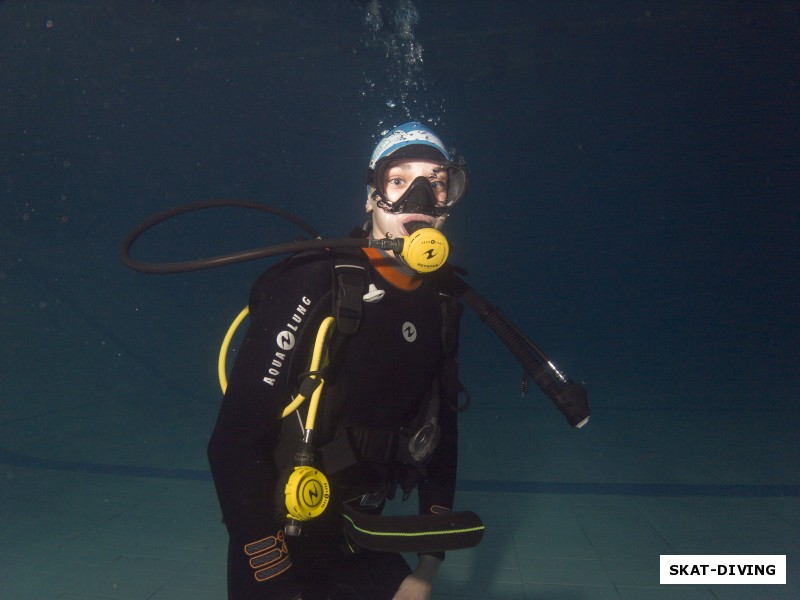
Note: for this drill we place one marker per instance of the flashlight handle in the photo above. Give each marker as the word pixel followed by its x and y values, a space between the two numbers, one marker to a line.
pixel 569 397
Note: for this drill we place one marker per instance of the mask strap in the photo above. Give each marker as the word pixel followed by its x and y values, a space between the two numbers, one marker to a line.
pixel 382 202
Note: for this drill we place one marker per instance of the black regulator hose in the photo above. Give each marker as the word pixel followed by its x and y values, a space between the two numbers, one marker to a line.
pixel 240 256
pixel 569 397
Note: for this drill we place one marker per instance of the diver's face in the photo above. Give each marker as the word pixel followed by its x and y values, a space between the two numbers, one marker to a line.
pixel 396 180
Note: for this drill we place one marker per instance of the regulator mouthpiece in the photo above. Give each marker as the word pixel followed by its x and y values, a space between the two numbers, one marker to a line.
pixel 425 250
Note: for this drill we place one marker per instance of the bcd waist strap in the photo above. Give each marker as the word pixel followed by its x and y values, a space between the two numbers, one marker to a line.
pixel 425 533
pixel 357 444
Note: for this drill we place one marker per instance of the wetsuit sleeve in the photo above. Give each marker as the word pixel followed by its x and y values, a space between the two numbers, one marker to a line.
pixel 241 448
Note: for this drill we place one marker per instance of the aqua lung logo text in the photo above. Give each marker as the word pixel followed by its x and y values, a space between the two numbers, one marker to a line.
pixel 409 331
pixel 285 341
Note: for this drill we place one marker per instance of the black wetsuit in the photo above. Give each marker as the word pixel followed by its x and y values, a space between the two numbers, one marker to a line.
pixel 378 380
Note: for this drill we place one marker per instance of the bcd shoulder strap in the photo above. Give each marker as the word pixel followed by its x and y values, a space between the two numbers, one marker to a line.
pixel 351 284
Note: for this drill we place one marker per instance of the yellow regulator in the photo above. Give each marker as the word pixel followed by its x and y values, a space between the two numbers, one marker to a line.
pixel 425 250
pixel 307 493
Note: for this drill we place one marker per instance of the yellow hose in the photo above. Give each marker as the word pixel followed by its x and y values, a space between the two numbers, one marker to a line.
pixel 223 349
pixel 316 359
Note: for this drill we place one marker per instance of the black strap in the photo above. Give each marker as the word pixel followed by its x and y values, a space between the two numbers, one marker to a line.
pixel 452 387
pixel 352 445
pixel 351 283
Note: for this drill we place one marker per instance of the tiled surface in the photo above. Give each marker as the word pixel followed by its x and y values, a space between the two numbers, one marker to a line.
pixel 71 531
pixel 104 492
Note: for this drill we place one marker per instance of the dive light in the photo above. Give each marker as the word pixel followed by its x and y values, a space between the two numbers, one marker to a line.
pixel 569 397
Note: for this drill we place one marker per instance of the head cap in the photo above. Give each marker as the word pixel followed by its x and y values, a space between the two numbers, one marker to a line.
pixel 409 134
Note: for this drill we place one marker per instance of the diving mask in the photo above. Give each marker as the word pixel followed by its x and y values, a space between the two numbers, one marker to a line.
pixel 420 193
pixel 419 198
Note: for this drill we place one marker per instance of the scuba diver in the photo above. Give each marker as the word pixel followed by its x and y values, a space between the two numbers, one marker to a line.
pixel 345 391
pixel 387 423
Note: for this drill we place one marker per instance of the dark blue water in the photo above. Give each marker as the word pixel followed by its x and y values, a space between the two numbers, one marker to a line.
pixel 633 204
